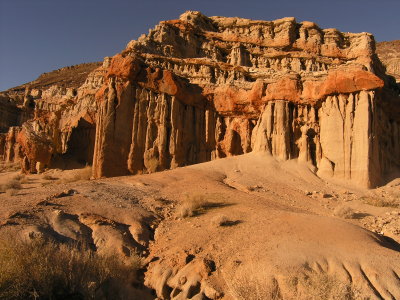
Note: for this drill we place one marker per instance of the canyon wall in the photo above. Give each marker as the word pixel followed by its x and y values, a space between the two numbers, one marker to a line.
pixel 201 88
pixel 58 116
pixel 389 54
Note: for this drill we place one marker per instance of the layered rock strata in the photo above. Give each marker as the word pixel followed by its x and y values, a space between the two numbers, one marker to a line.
pixel 200 88
pixel 59 111
pixel 389 54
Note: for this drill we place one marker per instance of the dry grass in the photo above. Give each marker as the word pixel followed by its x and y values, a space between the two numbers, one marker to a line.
pixel 82 174
pixel 11 184
pixel 223 221
pixel 24 179
pixel 380 202
pixel 43 270
pixel 192 205
pixel 11 192
pixel 344 212
pixel 48 177
pixel 315 286
pixel 9 167
pixel 253 284
pixel 152 165
pixel 76 175
pixel 21 178
pixel 220 220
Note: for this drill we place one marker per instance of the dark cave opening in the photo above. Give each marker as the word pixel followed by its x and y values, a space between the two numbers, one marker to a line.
pixel 80 147
pixel 312 146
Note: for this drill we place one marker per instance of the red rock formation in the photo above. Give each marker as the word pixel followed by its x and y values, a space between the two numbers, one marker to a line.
pixel 201 88
pixel 304 91
pixel 389 54
pixel 53 111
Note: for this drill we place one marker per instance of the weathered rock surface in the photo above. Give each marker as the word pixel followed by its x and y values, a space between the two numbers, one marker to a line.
pixel 200 88
pixel 9 114
pixel 276 228
pixel 389 54
pixel 58 111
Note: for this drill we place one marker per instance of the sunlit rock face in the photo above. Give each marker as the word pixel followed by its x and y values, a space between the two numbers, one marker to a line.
pixel 201 88
pixel 389 54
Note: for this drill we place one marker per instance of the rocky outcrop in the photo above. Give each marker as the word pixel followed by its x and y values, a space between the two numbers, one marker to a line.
pixel 9 114
pixel 200 88
pixel 60 125
pixel 343 138
pixel 389 54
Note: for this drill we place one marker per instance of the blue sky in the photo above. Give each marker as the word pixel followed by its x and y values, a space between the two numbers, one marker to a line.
pixel 38 36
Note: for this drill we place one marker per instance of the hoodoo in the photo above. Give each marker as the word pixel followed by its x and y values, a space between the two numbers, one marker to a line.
pixel 201 88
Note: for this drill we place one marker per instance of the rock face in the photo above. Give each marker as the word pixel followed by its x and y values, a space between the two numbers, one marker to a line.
pixel 201 88
pixel 9 114
pixel 389 54
pixel 54 117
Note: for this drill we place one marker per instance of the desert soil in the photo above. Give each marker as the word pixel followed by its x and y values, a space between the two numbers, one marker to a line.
pixel 255 215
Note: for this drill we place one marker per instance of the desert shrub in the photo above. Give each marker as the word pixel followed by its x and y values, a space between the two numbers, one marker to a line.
pixel 82 174
pixel 24 179
pixel 344 212
pixel 11 192
pixel 192 205
pixel 21 178
pixel 48 177
pixel 45 270
pixel 78 174
pixel 152 165
pixel 10 184
pixel 315 286
pixel 9 167
pixel 380 202
pixel 255 285
pixel 220 220
pixel 224 221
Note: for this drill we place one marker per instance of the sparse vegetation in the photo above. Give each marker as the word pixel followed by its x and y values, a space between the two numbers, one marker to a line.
pixel 220 220
pixel 152 164
pixel 67 77
pixel 82 174
pixel 9 167
pixel 44 270
pixel 192 205
pixel 12 184
pixel 19 177
pixel 11 192
pixel 48 177
pixel 255 285
pixel 344 212
pixel 78 174
pixel 380 202
pixel 224 221
pixel 24 179
pixel 315 286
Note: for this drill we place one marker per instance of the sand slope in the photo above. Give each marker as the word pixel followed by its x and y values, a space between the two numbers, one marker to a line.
pixel 271 227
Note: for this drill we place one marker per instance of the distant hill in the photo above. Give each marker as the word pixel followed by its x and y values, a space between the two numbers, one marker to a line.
pixel 389 54
pixel 67 77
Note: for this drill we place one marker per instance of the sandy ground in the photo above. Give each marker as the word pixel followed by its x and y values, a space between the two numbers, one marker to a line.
pixel 256 217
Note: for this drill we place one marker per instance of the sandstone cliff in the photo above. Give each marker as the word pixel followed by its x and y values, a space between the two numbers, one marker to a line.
pixel 200 88
pixel 33 112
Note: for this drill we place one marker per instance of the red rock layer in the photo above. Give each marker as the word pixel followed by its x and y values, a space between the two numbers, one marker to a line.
pixel 201 88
